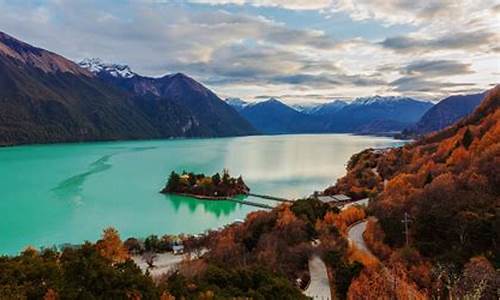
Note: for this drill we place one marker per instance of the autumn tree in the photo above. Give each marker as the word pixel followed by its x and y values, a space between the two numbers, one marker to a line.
pixel 111 246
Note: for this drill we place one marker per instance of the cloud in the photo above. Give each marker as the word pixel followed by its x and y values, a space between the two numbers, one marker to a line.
pixel 245 52
pixel 437 68
pixel 462 40
pixel 286 4
pixel 412 12
pixel 419 84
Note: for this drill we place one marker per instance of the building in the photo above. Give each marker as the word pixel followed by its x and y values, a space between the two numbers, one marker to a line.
pixel 339 198
pixel 178 249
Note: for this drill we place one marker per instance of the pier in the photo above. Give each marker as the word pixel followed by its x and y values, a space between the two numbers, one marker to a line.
pixel 256 204
pixel 268 197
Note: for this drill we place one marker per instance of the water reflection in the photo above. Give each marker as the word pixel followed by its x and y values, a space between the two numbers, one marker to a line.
pixel 217 208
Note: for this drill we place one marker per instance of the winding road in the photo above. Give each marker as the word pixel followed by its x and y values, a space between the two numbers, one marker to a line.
pixel 355 235
pixel 319 287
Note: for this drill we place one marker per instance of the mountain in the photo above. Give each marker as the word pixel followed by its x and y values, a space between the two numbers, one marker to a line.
pixel 370 115
pixel 47 98
pixel 445 113
pixel 96 65
pixel 392 114
pixel 236 103
pixel 275 117
pixel 327 108
pixel 209 115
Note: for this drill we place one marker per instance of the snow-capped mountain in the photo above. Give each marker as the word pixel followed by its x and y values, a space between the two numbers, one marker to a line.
pixel 382 99
pixel 304 107
pixel 327 108
pixel 96 66
pixel 237 103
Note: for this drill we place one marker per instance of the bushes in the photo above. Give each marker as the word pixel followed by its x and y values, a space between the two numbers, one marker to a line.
pixel 229 283
pixel 72 274
pixel 309 210
pixel 343 271
pixel 374 237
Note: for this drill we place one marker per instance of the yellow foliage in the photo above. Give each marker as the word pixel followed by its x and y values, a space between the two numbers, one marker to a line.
pixel 354 254
pixel 111 246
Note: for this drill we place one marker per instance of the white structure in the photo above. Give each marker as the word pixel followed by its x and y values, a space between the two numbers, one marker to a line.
pixel 178 249
pixel 339 198
pixel 362 202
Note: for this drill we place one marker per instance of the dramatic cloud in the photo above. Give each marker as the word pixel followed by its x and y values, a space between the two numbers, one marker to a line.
pixel 303 50
pixel 437 68
pixel 418 84
pixel 460 40
pixel 414 12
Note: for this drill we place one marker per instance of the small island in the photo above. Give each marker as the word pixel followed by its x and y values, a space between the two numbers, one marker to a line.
pixel 214 187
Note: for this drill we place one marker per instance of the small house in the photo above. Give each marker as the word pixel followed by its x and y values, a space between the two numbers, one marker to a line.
pixel 326 199
pixel 335 199
pixel 341 198
pixel 178 249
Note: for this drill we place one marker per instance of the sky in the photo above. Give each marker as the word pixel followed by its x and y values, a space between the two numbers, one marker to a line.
pixel 300 51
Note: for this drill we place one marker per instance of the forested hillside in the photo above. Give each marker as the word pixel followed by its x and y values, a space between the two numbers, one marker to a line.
pixel 449 185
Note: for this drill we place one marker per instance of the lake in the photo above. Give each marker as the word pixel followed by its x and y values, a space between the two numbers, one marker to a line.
pixel 68 193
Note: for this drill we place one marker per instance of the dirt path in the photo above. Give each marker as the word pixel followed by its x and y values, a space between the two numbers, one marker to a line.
pixel 164 263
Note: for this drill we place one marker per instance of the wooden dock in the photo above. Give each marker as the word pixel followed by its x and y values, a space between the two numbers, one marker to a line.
pixel 251 203
pixel 267 197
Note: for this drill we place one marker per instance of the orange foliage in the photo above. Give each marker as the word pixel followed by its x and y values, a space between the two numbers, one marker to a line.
pixel 352 214
pixel 51 295
pixel 376 282
pixel 166 296
pixel 111 246
pixel 285 217
pixel 373 237
pixel 366 259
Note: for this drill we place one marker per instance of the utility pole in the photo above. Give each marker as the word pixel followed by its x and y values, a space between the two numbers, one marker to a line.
pixel 406 221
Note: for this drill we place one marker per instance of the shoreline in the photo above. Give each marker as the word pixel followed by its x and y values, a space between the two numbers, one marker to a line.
pixel 209 198
pixel 180 138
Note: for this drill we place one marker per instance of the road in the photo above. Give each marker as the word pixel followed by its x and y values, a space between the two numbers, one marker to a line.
pixel 319 287
pixel 355 235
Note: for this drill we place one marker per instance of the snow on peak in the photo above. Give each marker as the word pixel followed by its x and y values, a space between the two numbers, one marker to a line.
pixel 96 65
pixel 380 99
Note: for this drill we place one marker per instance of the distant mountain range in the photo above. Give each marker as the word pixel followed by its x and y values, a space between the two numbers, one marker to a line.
pixel 46 98
pixel 275 117
pixel 371 115
pixel 445 113
pixel 326 108
pixel 237 103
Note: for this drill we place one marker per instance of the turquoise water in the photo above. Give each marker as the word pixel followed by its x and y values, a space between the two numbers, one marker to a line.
pixel 67 193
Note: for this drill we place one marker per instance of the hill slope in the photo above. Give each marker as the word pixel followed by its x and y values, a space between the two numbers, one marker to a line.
pixel 46 98
pixel 445 113
pixel 448 182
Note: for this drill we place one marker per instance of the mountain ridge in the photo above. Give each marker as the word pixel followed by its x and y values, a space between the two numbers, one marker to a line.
pixel 212 116
pixel 46 98
pixel 445 113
